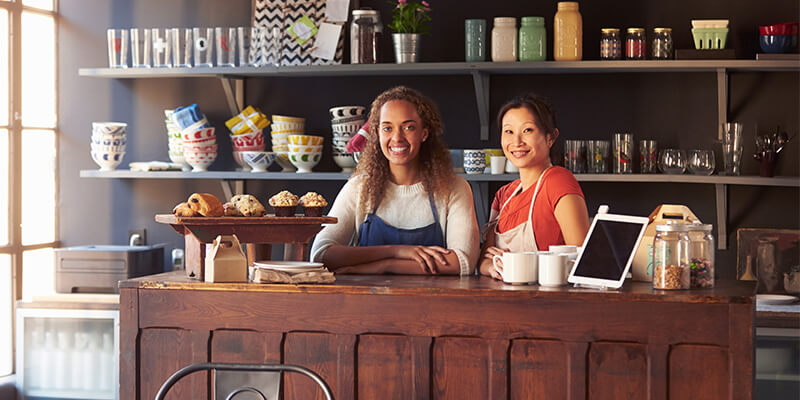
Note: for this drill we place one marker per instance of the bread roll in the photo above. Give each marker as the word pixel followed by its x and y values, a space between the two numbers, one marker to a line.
pixel 206 205
pixel 248 205
pixel 183 210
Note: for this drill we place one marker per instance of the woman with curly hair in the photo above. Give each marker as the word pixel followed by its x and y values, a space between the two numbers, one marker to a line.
pixel 403 211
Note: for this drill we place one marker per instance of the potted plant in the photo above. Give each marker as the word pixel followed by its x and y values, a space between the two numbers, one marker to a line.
pixel 409 21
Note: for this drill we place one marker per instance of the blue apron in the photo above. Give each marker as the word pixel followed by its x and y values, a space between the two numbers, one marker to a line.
pixel 376 232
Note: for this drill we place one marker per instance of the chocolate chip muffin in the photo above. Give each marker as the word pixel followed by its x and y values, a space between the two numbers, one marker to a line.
pixel 284 204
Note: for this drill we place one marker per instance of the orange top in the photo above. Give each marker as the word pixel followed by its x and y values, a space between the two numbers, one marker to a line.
pixel 557 183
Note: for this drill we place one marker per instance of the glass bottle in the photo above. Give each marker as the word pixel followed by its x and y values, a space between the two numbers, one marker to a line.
pixel 365 37
pixel 568 32
pixel 635 47
pixel 504 39
pixel 671 257
pixel 610 44
pixel 701 255
pixel 532 39
pixel 662 44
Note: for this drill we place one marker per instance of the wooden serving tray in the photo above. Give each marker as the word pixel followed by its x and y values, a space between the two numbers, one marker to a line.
pixel 258 233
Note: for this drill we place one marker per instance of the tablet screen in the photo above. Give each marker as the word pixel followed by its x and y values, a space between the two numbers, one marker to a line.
pixel 606 253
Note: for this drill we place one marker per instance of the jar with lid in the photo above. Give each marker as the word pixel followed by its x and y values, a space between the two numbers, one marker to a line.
pixel 671 257
pixel 635 45
pixel 568 32
pixel 365 37
pixel 532 39
pixel 610 44
pixel 504 39
pixel 701 255
pixel 662 44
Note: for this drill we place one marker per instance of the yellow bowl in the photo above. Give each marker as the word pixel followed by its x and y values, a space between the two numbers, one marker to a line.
pixel 299 149
pixel 306 140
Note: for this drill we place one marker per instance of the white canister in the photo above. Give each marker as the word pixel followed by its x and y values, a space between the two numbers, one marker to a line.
pixel 504 39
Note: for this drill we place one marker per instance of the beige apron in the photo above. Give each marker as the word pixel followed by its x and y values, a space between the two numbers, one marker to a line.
pixel 520 238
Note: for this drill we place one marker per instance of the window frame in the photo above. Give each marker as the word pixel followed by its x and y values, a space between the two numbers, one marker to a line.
pixel 15 248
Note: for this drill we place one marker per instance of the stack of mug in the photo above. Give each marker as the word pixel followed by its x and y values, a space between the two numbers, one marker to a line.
pixel 108 144
pixel 282 127
pixel 345 122
pixel 175 139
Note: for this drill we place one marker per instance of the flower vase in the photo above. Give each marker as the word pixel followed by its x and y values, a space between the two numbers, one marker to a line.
pixel 406 47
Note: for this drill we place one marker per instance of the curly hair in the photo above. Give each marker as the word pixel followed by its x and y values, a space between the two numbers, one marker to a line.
pixel 435 164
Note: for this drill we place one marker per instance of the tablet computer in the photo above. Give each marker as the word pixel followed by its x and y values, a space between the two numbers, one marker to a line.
pixel 608 250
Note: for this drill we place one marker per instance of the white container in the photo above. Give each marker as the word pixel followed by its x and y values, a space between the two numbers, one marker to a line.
pixel 504 39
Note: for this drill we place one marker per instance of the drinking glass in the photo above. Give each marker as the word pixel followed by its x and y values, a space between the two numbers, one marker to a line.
pixel 575 156
pixel 246 40
pixel 597 152
pixel 732 142
pixel 182 47
pixel 203 47
pixel 226 47
pixel 161 47
pixel 140 48
pixel 623 153
pixel 701 162
pixel 648 156
pixel 117 48
pixel 672 161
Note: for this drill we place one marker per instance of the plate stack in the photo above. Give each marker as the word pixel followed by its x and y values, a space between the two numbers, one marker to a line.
pixel 108 144
pixel 345 122
pixel 291 267
pixel 282 127
pixel 175 140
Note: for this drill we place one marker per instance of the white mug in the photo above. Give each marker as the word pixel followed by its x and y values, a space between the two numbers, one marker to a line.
pixel 498 164
pixel 518 268
pixel 569 250
pixel 553 269
pixel 511 168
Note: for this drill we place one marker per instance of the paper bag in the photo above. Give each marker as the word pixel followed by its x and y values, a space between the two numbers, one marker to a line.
pixel 642 267
pixel 225 261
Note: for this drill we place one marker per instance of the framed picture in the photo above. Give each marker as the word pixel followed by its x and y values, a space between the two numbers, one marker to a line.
pixel 765 255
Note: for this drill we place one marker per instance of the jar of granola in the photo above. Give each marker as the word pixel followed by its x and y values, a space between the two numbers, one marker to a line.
pixel 701 255
pixel 671 257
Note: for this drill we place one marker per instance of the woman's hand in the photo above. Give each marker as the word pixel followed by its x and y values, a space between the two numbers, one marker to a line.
pixel 425 256
pixel 496 268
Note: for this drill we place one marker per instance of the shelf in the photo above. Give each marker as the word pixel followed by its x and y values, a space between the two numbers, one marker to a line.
pixel 782 181
pixel 448 68
pixel 778 377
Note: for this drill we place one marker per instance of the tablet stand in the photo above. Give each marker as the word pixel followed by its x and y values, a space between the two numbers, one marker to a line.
pixel 596 287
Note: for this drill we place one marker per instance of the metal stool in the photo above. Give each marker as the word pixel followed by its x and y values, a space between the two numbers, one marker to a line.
pixel 162 393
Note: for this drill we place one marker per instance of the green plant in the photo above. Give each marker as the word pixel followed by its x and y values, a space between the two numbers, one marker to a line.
pixel 410 17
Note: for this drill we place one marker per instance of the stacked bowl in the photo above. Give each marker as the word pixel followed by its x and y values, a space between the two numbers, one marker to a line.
pixel 778 38
pixel 247 142
pixel 199 147
pixel 345 122
pixel 108 144
pixel 305 151
pixel 175 139
pixel 282 127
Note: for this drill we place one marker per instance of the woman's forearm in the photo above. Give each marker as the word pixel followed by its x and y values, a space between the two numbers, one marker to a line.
pixel 338 256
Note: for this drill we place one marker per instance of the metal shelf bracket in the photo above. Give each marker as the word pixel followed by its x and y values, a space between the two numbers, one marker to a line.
pixel 722 215
pixel 481 82
pixel 722 100
pixel 238 188
pixel 234 94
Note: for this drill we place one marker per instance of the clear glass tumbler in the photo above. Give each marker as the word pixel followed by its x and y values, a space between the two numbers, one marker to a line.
pixel 701 162
pixel 140 48
pixel 597 155
pixel 648 156
pixel 672 161
pixel 161 47
pixel 117 48
pixel 732 142
pixel 575 156
pixel 623 153
pixel 226 47
pixel 182 45
pixel 203 47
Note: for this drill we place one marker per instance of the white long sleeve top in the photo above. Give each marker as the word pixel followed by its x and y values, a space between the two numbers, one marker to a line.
pixel 406 207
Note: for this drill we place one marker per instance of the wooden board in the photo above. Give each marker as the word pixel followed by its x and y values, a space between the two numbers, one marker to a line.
pixel 269 219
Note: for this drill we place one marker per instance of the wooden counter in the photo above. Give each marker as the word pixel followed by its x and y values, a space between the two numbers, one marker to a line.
pixel 406 337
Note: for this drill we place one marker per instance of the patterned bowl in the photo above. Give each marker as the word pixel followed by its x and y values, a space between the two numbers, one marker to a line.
pixel 344 112
pixel 199 161
pixel 109 128
pixel 304 161
pixel 306 140
pixel 237 156
pixel 247 140
pixel 107 161
pixel 199 135
pixel 259 160
pixel 345 161
pixel 283 161
pixel 302 149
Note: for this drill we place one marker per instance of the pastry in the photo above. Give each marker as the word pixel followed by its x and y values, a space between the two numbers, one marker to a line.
pixel 248 205
pixel 183 210
pixel 206 205
pixel 313 204
pixel 230 210
pixel 284 203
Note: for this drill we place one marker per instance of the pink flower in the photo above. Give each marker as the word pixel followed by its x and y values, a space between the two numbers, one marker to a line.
pixel 402 1
pixel 425 3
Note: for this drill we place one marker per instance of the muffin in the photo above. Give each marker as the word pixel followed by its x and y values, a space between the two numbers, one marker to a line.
pixel 313 203
pixel 284 203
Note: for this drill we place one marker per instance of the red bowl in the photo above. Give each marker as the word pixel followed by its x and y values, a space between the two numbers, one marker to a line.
pixel 786 28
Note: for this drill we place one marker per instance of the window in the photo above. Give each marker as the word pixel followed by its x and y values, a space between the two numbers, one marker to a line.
pixel 28 155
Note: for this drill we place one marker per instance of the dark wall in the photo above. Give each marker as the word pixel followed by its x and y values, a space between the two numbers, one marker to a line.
pixel 676 109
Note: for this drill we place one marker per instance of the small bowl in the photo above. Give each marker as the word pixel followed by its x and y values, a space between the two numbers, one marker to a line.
pixel 777 43
pixel 199 135
pixel 306 140
pixel 200 149
pixel 288 119
pixel 237 156
pixel 199 161
pixel 341 112
pixel 302 149
pixel 261 147
pixel 109 140
pixel 107 161
pixel 99 148
pixel 345 161
pixel 177 157
pixel 109 128
pixel 259 161
pixel 283 160
pixel 350 128
pixel 248 140
pixel 304 161
pixel 786 28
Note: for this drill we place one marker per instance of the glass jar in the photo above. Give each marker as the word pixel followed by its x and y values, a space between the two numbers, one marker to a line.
pixel 662 44
pixel 635 47
pixel 532 39
pixel 671 257
pixel 365 37
pixel 567 32
pixel 504 39
pixel 610 44
pixel 701 255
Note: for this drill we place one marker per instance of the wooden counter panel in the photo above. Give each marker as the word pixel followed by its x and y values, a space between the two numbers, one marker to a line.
pixel 617 371
pixel 460 368
pixel 689 372
pixel 168 350
pixel 385 367
pixel 538 369
pixel 331 356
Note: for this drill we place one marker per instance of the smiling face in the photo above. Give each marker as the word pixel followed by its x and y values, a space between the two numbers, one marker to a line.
pixel 401 133
pixel 523 142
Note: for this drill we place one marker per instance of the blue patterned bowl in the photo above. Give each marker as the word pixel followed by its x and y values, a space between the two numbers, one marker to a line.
pixel 259 161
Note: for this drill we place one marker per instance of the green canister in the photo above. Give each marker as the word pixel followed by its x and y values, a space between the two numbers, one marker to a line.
pixel 532 39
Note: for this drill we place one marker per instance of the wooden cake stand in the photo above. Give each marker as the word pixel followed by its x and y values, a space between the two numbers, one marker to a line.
pixel 258 233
